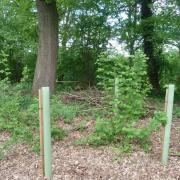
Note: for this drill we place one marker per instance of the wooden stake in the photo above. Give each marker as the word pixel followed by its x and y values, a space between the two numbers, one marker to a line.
pixel 41 133
pixel 169 108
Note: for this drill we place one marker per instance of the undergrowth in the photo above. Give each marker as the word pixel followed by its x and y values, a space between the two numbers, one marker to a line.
pixel 126 88
pixel 20 117
pixel 177 112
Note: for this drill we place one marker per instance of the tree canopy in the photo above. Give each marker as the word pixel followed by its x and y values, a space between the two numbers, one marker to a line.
pixel 85 30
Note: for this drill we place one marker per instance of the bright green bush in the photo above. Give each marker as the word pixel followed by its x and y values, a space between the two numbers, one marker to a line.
pixel 170 70
pixel 127 106
pixel 132 83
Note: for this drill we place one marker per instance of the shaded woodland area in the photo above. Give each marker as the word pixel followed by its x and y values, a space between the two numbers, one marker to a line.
pixel 83 31
pixel 108 64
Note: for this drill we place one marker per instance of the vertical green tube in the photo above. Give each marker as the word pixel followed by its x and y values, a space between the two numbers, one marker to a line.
pixel 47 133
pixel 170 99
pixel 116 92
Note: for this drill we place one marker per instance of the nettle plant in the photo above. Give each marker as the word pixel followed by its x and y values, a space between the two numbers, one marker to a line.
pixel 125 86
pixel 25 75
pixel 4 67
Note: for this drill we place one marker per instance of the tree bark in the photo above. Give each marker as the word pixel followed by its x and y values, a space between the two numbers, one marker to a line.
pixel 149 45
pixel 45 72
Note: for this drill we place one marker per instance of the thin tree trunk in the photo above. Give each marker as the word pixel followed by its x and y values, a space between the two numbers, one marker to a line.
pixel 45 73
pixel 148 36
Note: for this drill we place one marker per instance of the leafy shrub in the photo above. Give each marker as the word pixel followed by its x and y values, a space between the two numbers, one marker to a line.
pixel 132 83
pixel 4 67
pixel 19 115
pixel 126 99
pixel 170 73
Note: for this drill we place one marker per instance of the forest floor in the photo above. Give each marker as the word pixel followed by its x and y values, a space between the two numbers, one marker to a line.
pixel 72 162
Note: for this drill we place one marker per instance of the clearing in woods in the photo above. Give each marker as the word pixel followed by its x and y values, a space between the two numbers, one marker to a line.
pixel 84 162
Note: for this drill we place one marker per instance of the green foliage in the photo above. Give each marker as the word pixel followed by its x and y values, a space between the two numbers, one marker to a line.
pixel 20 122
pixel 77 65
pixel 60 110
pixel 82 125
pixel 84 35
pixel 127 105
pixel 49 1
pixel 19 115
pixel 143 133
pixel 125 146
pixel 170 73
pixel 18 36
pixel 57 133
pixel 4 67
pixel 176 112
pixel 85 30
pixel 132 83
pixel 25 75
pixel 105 130
pixel 109 132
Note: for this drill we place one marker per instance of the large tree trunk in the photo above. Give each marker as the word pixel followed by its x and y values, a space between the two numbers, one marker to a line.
pixel 45 73
pixel 149 45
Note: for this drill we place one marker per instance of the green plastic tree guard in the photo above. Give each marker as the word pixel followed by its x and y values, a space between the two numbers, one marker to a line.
pixel 167 133
pixel 116 93
pixel 47 133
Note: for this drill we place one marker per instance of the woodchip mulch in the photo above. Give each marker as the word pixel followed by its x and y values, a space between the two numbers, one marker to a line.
pixel 72 162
